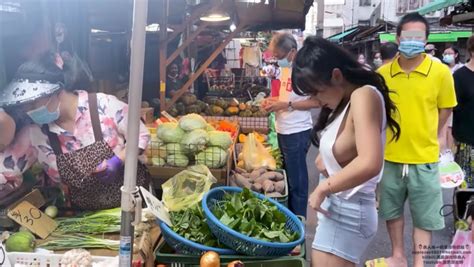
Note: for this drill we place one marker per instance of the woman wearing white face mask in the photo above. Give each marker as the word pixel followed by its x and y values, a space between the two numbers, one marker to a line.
pixel 451 58
pixel 78 138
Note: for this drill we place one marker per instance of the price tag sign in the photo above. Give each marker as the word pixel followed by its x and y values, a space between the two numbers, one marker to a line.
pixel 156 206
pixel 4 261
pixel 32 218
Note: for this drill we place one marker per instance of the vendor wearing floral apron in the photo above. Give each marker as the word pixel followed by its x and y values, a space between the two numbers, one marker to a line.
pixel 78 138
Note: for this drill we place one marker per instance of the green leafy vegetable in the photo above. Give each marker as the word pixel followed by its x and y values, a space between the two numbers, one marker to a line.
pixel 98 222
pixel 191 224
pixel 251 216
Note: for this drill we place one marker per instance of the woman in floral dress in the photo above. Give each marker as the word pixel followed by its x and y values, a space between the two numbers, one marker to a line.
pixel 78 138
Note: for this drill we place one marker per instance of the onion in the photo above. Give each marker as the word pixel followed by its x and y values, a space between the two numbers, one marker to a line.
pixel 51 211
pixel 210 259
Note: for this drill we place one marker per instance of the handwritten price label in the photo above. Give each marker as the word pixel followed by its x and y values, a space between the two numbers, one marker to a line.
pixel 32 218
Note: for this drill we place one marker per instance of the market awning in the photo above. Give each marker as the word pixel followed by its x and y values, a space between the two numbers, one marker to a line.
pixel 437 5
pixel 436 37
pixel 339 36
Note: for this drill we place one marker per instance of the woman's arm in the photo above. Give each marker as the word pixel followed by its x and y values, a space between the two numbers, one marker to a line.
pixel 15 159
pixel 119 110
pixel 7 129
pixel 272 105
pixel 366 110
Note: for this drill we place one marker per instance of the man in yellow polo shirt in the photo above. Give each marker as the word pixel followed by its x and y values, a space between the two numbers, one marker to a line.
pixel 423 91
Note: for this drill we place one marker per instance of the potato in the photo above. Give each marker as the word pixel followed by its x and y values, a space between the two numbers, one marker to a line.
pixel 280 186
pixel 274 194
pixel 277 176
pixel 242 181
pixel 254 175
pixel 268 186
pixel 256 187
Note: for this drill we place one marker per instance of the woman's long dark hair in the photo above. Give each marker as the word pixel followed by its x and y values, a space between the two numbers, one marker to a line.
pixel 313 67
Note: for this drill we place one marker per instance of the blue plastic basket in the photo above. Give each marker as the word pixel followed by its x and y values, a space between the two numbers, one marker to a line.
pixel 188 247
pixel 242 243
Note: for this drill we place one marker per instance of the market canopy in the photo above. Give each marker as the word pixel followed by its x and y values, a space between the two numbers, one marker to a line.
pixel 436 37
pixel 437 5
pixel 338 37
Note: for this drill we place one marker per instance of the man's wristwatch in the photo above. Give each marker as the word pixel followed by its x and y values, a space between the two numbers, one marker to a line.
pixel 290 106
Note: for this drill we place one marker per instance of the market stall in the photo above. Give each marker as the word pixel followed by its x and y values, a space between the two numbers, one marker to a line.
pixel 223 135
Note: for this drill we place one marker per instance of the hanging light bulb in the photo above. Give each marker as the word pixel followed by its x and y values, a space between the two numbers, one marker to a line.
pixel 232 27
pixel 215 17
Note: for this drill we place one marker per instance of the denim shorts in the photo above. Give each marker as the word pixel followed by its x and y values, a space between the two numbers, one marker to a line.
pixel 350 228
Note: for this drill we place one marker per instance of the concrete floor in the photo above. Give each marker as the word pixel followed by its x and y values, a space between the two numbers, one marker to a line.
pixel 380 246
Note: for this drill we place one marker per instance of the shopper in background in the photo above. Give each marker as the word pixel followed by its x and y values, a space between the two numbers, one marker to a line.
pixel 361 59
pixel 388 51
pixel 430 50
pixel 78 138
pixel 356 112
pixel 446 141
pixel 293 123
pixel 173 80
pixel 377 60
pixel 451 57
pixel 463 118
pixel 423 91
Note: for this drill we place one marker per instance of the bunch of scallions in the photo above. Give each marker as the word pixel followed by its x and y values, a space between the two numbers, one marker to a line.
pixel 65 242
pixel 99 222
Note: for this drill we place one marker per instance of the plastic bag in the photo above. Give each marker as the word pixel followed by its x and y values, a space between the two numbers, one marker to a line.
pixel 255 155
pixel 187 187
pixel 460 253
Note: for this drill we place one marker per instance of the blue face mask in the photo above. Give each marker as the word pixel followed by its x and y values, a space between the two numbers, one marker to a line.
pixel 411 49
pixel 284 63
pixel 42 115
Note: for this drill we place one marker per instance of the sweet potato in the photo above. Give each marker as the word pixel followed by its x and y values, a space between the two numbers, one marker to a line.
pixel 268 186
pixel 280 186
pixel 265 176
pixel 256 187
pixel 240 170
pixel 277 176
pixel 242 181
pixel 232 181
pixel 274 194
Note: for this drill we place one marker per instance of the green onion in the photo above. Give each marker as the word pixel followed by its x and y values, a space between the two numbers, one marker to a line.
pixel 99 222
pixel 65 242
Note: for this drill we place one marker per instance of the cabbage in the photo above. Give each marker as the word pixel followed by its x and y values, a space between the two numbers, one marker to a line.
pixel 213 157
pixel 220 139
pixel 169 132
pixel 195 141
pixel 158 162
pixel 192 122
pixel 177 160
pixel 210 128
pixel 174 148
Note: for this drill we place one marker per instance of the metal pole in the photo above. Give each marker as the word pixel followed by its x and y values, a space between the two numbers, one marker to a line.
pixel 129 189
pixel 320 18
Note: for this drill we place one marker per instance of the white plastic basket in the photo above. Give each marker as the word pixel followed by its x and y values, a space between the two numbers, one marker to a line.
pixel 43 259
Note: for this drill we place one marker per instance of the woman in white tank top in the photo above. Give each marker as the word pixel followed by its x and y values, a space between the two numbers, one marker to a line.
pixel 356 112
